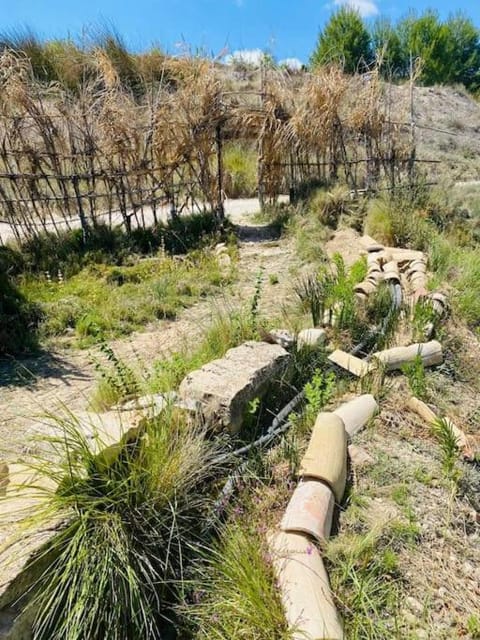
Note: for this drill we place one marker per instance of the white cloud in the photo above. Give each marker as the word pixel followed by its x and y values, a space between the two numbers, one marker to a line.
pixel 365 8
pixel 245 56
pixel 293 64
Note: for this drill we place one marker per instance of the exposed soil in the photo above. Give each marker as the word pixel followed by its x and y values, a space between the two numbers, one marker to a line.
pixel 67 377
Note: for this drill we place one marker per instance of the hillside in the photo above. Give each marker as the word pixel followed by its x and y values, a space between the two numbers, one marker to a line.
pixel 447 129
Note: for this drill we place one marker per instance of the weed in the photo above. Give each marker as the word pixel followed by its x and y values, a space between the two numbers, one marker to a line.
pixel 331 292
pixel 117 380
pixel 363 573
pixel 448 447
pixel 319 391
pixel 400 495
pixel 473 626
pixel 273 278
pixel 415 374
pixel 255 303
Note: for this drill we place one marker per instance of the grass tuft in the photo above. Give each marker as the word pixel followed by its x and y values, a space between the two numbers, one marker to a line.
pixel 131 526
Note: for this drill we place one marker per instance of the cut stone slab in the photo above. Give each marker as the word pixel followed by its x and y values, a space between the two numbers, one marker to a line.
pixel 311 338
pixel 224 387
pixel 352 364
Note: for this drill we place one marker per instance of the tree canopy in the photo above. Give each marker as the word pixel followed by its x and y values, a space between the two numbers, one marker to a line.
pixel 447 52
pixel 345 40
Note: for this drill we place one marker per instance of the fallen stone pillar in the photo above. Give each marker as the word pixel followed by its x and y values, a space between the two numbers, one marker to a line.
pixel 357 412
pixel 395 358
pixel 304 588
pixel 326 455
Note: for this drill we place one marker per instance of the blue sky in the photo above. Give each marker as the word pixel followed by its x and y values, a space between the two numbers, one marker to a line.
pixel 288 28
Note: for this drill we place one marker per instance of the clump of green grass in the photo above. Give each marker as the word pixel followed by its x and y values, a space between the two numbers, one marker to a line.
pixel 105 301
pixel 330 292
pixel 131 525
pixel 400 219
pixel 416 378
pixel 363 570
pixel 329 206
pixel 448 447
pixel 235 594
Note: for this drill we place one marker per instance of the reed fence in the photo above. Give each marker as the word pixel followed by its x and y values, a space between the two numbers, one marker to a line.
pixel 102 156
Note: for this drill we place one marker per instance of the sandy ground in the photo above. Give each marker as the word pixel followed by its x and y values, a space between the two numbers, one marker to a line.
pixel 234 209
pixel 67 377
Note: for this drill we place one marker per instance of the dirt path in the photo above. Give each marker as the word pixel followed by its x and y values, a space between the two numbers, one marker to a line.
pixel 66 378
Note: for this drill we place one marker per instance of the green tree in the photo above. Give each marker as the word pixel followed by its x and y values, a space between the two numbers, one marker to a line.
pixel 449 51
pixel 462 60
pixel 424 37
pixel 387 48
pixel 344 40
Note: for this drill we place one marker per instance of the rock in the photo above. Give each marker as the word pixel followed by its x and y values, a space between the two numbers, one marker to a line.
pixel 414 605
pixel 224 261
pixel 225 386
pixel 221 247
pixel 312 338
pixel 409 617
pixel 283 337
pixel 156 402
pixel 359 457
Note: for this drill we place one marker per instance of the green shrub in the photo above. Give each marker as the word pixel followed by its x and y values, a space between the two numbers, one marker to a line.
pixel 68 253
pixel 19 319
